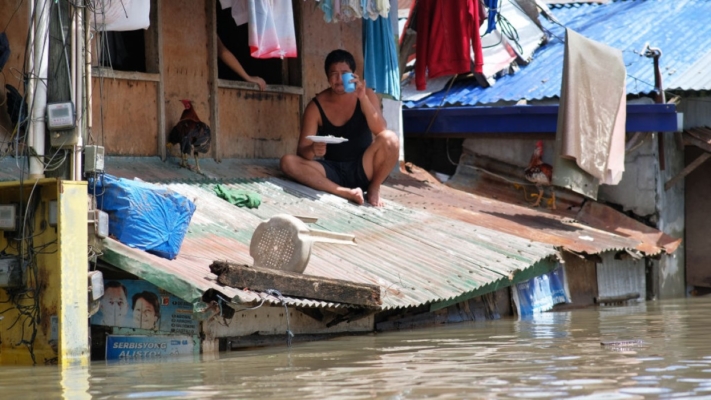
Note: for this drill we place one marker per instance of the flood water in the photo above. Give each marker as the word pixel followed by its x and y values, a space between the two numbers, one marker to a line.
pixel 652 350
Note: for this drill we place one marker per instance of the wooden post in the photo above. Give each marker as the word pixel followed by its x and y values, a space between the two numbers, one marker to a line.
pixel 154 64
pixel 213 78
pixel 297 285
pixel 58 82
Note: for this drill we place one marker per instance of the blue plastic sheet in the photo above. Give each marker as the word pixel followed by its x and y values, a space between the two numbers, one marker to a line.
pixel 144 216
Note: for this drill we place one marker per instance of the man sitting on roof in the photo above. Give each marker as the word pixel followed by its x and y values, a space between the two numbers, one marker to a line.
pixel 357 166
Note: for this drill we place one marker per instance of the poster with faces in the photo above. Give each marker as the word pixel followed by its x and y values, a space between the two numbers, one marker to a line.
pixel 141 305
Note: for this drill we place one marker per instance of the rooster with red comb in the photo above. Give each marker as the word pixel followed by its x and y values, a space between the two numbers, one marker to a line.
pixel 541 174
pixel 191 134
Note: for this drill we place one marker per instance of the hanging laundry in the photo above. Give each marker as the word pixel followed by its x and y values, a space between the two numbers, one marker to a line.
pixel 327 7
pixel 447 33
pixel 350 10
pixel 493 6
pixel 592 112
pixel 383 7
pixel 125 15
pixel 380 62
pixel 240 11
pixel 336 10
pixel 371 10
pixel 271 29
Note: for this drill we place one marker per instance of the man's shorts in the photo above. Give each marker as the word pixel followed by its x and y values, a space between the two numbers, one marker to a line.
pixel 348 174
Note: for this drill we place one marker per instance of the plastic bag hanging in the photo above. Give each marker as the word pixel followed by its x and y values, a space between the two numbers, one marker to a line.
pixel 271 29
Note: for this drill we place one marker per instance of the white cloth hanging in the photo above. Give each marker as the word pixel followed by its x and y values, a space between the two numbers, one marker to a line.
pixel 125 15
pixel 240 11
pixel 271 29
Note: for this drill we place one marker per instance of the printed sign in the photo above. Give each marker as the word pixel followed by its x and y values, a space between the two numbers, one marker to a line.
pixel 119 347
pixel 140 304
pixel 541 293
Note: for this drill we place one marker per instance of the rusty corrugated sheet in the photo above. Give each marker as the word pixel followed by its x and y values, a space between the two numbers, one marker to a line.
pixel 415 256
pixel 593 228
pixel 431 244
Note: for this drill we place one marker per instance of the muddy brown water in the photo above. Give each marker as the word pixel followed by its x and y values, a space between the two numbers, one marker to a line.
pixel 650 350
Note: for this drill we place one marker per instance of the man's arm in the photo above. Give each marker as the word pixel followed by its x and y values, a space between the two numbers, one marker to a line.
pixel 309 126
pixel 224 54
pixel 370 105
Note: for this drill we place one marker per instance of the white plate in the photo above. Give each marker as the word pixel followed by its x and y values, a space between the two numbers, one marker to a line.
pixel 327 139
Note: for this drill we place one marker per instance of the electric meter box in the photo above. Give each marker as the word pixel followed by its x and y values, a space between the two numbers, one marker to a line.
pixel 93 159
pixel 11 274
pixel 60 116
pixel 61 122
pixel 8 217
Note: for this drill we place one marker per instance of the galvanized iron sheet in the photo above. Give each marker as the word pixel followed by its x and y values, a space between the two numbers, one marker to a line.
pixel 430 244
pixel 678 28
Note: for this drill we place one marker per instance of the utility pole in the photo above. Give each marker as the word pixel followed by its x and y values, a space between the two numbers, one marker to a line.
pixel 59 80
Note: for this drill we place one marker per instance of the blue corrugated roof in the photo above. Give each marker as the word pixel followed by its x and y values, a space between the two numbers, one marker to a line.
pixel 680 28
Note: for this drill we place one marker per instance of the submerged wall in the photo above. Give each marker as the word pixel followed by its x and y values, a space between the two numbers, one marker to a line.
pixel 697 113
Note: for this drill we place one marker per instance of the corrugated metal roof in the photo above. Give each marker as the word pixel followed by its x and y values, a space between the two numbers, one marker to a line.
pixel 415 256
pixel 430 244
pixel 681 29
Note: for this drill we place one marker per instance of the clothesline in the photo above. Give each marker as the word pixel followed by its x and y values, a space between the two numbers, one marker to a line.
pixel 335 11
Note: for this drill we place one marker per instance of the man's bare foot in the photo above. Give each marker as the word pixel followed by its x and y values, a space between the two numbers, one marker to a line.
pixel 374 197
pixel 354 195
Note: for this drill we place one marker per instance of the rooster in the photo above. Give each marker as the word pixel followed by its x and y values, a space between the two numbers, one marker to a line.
pixel 191 134
pixel 541 174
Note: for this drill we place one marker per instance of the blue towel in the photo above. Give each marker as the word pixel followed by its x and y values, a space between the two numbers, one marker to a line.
pixel 381 70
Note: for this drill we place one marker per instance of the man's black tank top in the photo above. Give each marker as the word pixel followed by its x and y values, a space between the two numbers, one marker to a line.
pixel 355 130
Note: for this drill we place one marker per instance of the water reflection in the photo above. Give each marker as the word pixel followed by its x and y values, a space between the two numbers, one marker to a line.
pixel 652 350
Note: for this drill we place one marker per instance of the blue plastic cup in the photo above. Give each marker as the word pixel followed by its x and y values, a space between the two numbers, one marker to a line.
pixel 348 86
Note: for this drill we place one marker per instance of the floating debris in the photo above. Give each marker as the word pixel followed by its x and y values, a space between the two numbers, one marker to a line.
pixel 622 343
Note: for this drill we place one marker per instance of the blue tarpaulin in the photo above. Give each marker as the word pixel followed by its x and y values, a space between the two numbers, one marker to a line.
pixel 144 216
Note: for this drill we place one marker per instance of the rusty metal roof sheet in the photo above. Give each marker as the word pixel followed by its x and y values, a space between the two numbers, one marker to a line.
pixel 431 244
pixel 415 256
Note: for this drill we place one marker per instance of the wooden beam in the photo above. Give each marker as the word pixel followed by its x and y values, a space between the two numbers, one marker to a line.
pixel 213 80
pixel 157 23
pixel 297 285
pixel 687 170
pixel 690 140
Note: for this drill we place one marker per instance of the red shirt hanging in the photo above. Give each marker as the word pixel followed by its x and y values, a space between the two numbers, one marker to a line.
pixel 446 30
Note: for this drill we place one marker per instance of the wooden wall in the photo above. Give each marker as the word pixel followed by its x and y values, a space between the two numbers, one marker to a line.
pixel 126 112
pixel 257 124
pixel 17 36
pixel 318 39
pixel 12 72
pixel 185 58
pixel 124 116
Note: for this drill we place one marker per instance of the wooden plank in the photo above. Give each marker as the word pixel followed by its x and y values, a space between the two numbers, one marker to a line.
pixel 212 77
pixel 185 53
pixel 126 126
pixel 157 63
pixel 266 126
pixel 297 285
pixel 697 241
pixel 226 83
pixel 106 72
pixel 581 275
pixel 687 170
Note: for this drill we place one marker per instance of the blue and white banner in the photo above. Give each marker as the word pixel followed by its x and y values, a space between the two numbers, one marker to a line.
pixel 541 293
pixel 120 347
pixel 141 304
